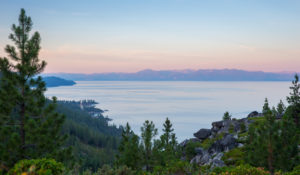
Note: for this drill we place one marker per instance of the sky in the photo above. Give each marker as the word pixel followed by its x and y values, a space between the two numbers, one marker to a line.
pixel 95 36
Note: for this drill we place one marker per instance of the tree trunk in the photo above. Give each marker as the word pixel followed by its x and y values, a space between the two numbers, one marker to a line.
pixel 270 159
pixel 22 129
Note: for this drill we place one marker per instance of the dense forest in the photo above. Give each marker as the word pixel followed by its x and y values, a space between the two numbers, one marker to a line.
pixel 40 136
pixel 93 140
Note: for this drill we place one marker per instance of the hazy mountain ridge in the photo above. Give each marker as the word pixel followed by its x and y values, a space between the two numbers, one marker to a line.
pixel 180 75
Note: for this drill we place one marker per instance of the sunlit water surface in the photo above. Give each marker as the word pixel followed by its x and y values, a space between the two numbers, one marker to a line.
pixel 189 105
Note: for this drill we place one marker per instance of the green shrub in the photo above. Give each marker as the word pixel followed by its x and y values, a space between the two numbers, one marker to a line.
pixel 240 170
pixel 296 171
pixel 107 170
pixel 257 120
pixel 234 157
pixel 190 149
pixel 209 141
pixel 37 167
pixel 243 127
pixel 174 167
pixel 231 129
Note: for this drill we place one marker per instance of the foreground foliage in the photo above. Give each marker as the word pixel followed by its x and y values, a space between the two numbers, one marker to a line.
pixel 37 167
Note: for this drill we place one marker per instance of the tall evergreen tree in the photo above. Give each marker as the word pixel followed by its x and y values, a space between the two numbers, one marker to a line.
pixel 266 107
pixel 294 101
pixel 167 133
pixel 29 128
pixel 290 129
pixel 166 151
pixel 294 98
pixel 288 152
pixel 129 151
pixel 263 140
pixel 148 132
pixel 280 108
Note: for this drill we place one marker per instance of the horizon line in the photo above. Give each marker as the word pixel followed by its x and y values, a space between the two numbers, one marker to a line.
pixel 176 70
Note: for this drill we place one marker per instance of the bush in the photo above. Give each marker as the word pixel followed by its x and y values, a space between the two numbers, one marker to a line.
pixel 209 141
pixel 243 127
pixel 296 171
pixel 37 167
pixel 234 157
pixel 107 170
pixel 174 167
pixel 231 129
pixel 240 170
pixel 190 149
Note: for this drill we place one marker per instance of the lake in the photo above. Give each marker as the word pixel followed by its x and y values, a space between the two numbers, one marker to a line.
pixel 190 105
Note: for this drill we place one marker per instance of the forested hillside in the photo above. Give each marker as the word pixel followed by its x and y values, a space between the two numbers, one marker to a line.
pixel 93 139
pixel 56 81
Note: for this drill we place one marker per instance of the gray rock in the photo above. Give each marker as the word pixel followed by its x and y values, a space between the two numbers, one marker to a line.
pixel 217 163
pixel 217 125
pixel 228 142
pixel 196 159
pixel 215 148
pixel 254 114
pixel 205 158
pixel 199 151
pixel 203 134
pixel 201 159
pixel 218 156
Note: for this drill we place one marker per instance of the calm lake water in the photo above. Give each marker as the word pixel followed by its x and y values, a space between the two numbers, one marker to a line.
pixel 189 105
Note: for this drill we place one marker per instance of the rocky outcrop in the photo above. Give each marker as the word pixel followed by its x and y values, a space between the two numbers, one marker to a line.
pixel 222 137
pixel 227 143
pixel 202 134
pixel 226 126
pixel 254 114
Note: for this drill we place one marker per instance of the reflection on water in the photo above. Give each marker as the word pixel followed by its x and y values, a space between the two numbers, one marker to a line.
pixel 189 105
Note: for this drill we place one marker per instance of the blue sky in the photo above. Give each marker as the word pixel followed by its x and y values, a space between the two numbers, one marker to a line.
pixel 131 35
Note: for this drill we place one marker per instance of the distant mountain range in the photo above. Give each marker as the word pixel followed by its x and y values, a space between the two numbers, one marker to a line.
pixel 182 75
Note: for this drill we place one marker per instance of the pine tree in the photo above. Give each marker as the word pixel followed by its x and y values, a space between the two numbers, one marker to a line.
pixel 280 108
pixel 294 98
pixel 129 151
pixel 148 132
pixel 262 145
pixel 266 107
pixel 288 153
pixel 29 127
pixel 294 101
pixel 164 149
pixel 167 131
pixel 290 129
pixel 226 116
pixel 168 140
